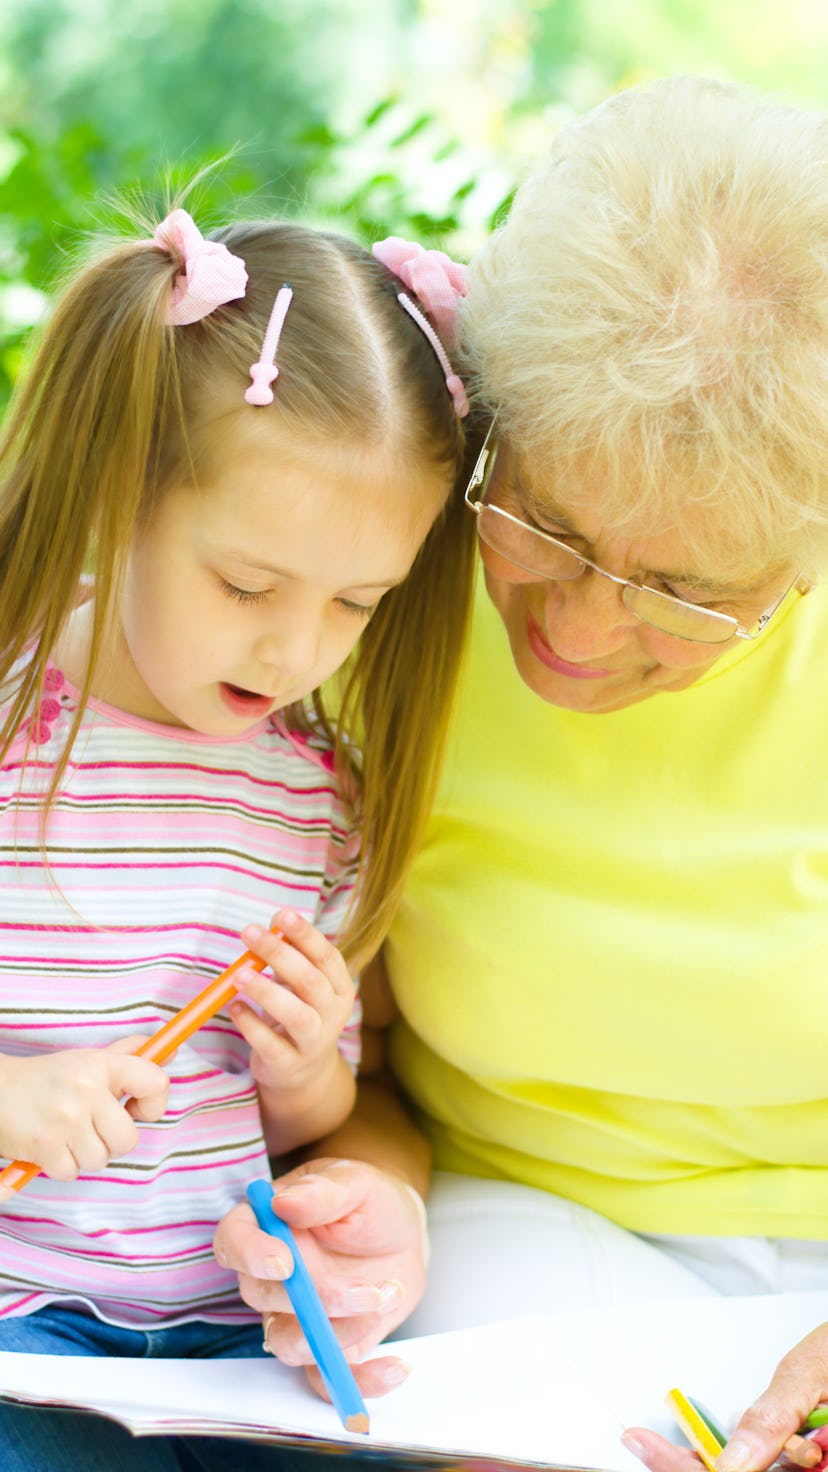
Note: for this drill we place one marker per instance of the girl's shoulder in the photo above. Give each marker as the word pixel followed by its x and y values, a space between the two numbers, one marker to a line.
pixel 38 719
pixel 314 744
pixel 309 743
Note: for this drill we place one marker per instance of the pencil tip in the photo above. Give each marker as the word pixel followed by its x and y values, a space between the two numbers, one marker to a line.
pixel 358 1422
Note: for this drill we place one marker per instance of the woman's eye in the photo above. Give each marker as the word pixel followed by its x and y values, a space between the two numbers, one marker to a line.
pixel 671 590
pixel 242 595
pixel 558 532
pixel 549 529
pixel 688 595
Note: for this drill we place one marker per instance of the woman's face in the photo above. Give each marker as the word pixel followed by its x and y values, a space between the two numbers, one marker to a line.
pixel 575 644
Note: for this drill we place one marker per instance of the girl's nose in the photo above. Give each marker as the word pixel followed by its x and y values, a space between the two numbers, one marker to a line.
pixel 292 649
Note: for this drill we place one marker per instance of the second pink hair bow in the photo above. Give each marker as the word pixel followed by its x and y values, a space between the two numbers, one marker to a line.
pixel 210 274
pixel 435 278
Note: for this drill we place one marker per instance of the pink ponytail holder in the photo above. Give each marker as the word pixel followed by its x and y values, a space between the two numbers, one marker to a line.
pixel 433 276
pixel 439 282
pixel 209 275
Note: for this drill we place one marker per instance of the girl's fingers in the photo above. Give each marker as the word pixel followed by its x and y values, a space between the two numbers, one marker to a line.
pixel 301 1023
pixel 115 1127
pixel 298 976
pixel 307 951
pixel 281 1002
pixel 60 1164
pixel 261 1036
pixel 90 1151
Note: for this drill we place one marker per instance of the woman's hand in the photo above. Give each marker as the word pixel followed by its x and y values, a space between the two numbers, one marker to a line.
pixel 304 1008
pixel 361 1233
pixel 768 1429
pixel 63 1111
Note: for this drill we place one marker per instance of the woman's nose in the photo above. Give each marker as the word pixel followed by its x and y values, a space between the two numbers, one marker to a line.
pixel 586 617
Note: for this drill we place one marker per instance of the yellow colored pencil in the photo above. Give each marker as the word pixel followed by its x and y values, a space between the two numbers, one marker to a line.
pixel 695 1428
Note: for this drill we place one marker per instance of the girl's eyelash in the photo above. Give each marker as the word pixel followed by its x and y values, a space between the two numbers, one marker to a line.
pixel 359 610
pixel 242 595
pixel 248 596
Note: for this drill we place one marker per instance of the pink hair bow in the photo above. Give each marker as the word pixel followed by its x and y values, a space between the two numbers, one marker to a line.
pixel 438 281
pixel 209 276
pixel 435 278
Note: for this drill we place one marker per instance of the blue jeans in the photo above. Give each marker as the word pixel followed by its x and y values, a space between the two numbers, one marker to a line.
pixel 36 1440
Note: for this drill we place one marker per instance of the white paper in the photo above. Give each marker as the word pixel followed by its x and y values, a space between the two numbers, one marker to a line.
pixel 720 1351
pixel 534 1390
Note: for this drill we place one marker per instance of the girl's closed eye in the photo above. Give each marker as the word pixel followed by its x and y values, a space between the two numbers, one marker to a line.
pixel 253 595
pixel 358 610
pixel 243 595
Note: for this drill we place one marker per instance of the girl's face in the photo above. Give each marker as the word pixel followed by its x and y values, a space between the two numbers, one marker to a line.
pixel 247 593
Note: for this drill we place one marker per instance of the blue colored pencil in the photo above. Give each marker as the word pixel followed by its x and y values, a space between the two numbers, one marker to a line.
pixel 315 1324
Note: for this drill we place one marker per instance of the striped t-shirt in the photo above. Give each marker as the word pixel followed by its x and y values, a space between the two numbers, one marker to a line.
pixel 162 845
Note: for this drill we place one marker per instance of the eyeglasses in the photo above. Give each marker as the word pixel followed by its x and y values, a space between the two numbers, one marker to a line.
pixel 541 554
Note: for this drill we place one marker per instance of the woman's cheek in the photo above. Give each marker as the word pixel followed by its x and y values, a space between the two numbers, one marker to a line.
pixel 679 654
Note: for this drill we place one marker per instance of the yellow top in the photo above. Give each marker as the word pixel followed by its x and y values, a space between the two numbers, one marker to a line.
pixel 612 955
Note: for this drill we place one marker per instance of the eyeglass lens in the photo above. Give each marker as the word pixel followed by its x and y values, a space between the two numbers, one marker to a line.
pixel 527 548
pixel 535 552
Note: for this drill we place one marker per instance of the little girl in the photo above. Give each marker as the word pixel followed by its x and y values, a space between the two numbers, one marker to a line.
pixel 226 460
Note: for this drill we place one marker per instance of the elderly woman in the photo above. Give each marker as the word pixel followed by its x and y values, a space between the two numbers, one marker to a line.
pixel 610 963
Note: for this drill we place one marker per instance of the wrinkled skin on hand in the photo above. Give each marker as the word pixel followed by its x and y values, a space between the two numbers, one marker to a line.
pixel 769 1428
pixel 360 1231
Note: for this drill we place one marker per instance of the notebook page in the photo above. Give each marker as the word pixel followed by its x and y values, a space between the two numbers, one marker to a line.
pixel 506 1390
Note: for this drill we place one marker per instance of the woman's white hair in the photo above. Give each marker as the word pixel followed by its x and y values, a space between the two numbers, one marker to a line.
pixel 655 310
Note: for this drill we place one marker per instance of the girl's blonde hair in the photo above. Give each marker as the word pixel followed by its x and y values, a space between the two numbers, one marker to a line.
pixel 655 312
pixel 116 408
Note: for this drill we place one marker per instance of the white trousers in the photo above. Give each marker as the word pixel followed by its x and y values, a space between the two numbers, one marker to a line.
pixel 500 1249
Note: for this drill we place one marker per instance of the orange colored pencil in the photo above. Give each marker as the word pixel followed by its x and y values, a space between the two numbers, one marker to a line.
pixel 162 1044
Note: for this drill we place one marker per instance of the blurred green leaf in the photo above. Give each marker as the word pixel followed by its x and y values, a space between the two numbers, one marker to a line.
pixel 378 111
pixel 423 121
pixel 269 106
pixel 320 135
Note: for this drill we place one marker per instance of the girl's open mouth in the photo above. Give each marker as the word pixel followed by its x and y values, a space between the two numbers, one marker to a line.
pixel 244 702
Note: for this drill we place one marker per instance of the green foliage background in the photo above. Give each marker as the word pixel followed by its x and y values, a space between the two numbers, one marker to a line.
pixel 410 116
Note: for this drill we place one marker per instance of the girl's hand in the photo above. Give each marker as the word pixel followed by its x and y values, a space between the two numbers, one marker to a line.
pixel 768 1429
pixel 361 1233
pixel 306 1003
pixel 63 1111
